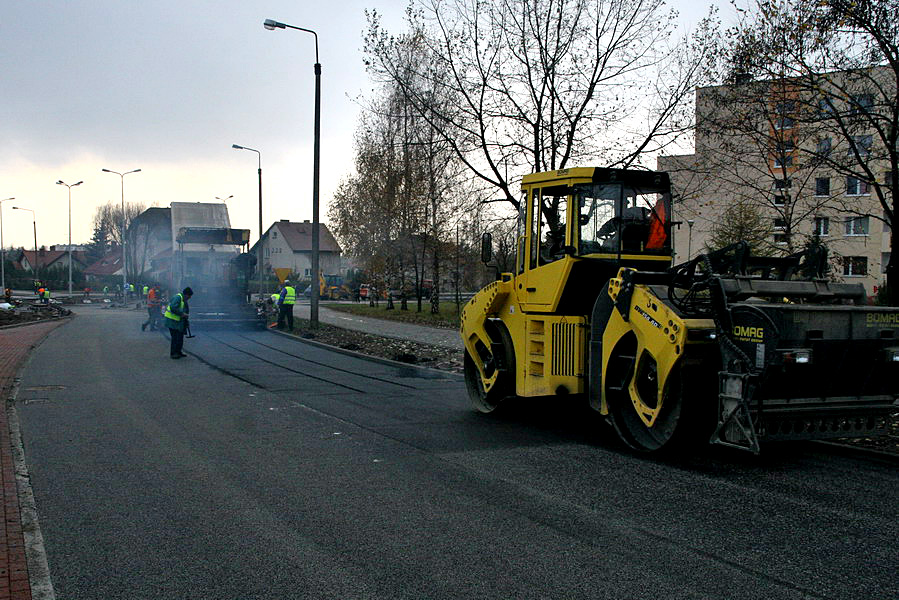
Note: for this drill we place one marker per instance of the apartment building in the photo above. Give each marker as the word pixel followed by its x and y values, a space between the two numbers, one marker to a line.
pixel 804 160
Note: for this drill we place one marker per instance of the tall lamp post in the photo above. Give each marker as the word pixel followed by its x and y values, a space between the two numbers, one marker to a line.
pixel 61 182
pixel 313 302
pixel 34 222
pixel 259 258
pixel 2 247
pixel 124 256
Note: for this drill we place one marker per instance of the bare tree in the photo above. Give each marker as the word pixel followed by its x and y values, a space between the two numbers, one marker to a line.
pixel 108 217
pixel 543 84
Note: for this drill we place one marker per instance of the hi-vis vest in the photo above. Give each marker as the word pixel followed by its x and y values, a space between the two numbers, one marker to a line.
pixel 168 311
pixel 275 298
pixel 291 296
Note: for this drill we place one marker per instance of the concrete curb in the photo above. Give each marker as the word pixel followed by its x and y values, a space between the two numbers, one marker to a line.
pixel 38 566
pixel 38 322
pixel 859 451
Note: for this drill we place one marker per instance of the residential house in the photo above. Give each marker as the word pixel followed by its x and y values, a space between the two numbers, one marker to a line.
pixel 149 240
pixel 288 245
pixel 106 268
pixel 44 260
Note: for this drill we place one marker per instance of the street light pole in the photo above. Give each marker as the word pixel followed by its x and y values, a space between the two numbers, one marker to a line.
pixel 259 251
pixel 3 247
pixel 223 200
pixel 313 302
pixel 124 255
pixel 61 182
pixel 34 222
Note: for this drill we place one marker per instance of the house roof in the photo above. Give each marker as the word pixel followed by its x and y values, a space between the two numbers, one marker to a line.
pixel 110 264
pixel 299 236
pixel 47 258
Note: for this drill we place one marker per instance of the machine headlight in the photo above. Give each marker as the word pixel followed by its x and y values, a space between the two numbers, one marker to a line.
pixel 797 357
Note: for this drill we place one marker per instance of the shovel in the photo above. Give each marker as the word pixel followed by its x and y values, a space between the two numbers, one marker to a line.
pixel 189 334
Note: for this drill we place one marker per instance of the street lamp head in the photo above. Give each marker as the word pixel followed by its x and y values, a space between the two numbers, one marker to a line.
pixel 690 222
pixel 60 182
pixel 134 171
pixel 79 183
pixel 272 25
pixel 106 170
pixel 236 147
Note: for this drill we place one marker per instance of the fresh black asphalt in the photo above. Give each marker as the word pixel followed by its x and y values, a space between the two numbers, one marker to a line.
pixel 264 467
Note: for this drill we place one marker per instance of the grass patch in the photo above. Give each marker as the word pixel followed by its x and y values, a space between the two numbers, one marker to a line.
pixel 447 318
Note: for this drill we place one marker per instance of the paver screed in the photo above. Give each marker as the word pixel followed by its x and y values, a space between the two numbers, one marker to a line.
pixel 15 345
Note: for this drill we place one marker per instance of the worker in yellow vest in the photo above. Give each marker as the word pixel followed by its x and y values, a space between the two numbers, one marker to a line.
pixel 176 314
pixel 286 300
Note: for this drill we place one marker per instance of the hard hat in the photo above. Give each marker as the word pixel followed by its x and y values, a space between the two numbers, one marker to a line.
pixel 286 281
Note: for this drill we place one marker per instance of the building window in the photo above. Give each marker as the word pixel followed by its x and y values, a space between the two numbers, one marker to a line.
pixel 856 225
pixel 860 104
pixel 781 184
pixel 783 154
pixel 861 143
pixel 308 272
pixel 274 235
pixel 781 238
pixel 267 253
pixel 856 187
pixel 780 200
pixel 822 226
pixel 884 261
pixel 825 108
pixel 855 266
pixel 822 186
pixel 824 146
pixel 780 223
pixel 783 160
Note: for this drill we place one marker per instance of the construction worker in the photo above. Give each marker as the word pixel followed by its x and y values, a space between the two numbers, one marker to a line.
pixel 154 309
pixel 286 300
pixel 176 315
pixel 45 296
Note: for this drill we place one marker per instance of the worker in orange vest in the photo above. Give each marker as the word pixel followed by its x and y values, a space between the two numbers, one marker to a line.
pixel 154 309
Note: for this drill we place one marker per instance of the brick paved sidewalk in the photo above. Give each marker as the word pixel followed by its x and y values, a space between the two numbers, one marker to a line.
pixel 15 345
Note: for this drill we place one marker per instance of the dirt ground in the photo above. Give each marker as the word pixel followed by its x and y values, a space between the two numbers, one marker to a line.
pixel 404 351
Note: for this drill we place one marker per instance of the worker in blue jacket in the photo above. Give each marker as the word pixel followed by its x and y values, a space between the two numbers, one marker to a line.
pixel 176 314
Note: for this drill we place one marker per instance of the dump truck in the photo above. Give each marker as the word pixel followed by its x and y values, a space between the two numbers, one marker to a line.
pixel 726 348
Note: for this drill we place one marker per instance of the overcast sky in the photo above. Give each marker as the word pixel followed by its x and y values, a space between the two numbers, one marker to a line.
pixel 168 87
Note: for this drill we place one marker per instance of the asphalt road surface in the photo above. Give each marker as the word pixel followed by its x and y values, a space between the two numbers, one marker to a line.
pixel 263 467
